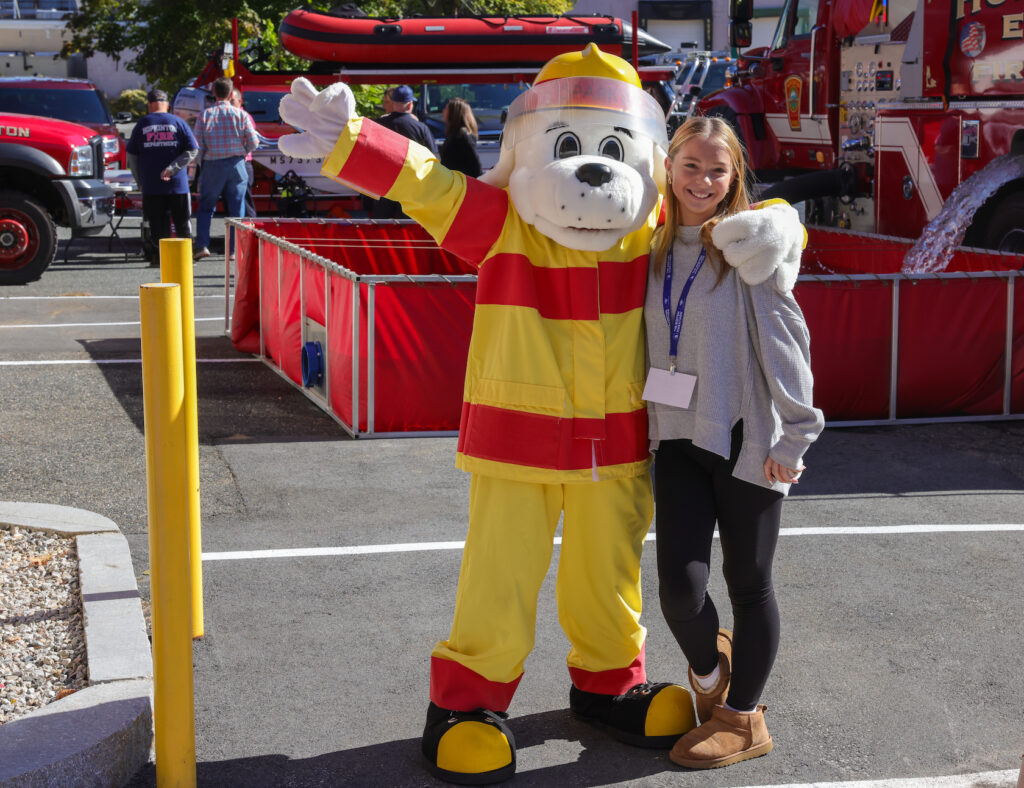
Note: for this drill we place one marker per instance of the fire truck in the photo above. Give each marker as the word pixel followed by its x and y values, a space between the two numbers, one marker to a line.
pixel 874 111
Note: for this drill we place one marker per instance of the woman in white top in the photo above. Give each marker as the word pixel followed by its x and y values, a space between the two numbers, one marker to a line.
pixel 729 401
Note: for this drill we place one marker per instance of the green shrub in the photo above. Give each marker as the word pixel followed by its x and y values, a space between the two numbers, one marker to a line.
pixel 132 100
pixel 368 99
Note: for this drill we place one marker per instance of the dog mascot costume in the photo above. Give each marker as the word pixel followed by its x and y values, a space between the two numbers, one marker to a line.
pixel 552 421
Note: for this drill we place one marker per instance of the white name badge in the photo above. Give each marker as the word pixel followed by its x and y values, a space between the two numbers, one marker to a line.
pixel 667 389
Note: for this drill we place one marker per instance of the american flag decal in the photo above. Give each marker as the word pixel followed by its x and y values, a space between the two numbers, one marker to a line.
pixel 972 39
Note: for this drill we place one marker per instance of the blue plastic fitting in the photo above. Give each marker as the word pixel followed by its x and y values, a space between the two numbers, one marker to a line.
pixel 312 364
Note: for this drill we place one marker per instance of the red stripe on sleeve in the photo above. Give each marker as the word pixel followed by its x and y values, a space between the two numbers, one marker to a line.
pixel 376 159
pixel 538 441
pixel 478 223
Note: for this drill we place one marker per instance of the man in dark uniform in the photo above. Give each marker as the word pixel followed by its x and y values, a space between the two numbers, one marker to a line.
pixel 398 103
pixel 159 152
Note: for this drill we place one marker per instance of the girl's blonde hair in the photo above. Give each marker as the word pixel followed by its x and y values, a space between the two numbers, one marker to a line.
pixel 736 199
pixel 460 115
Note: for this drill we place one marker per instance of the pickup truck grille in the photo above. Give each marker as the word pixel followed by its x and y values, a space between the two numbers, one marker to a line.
pixel 96 143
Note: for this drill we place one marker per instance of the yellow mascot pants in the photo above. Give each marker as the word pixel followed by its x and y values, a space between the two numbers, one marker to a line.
pixel 508 551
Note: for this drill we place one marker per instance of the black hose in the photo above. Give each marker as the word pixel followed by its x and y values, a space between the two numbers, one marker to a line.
pixel 806 187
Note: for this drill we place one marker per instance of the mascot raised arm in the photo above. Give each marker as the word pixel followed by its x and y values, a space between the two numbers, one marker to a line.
pixel 553 425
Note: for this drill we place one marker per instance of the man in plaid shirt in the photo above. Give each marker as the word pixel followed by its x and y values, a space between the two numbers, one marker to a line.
pixel 225 135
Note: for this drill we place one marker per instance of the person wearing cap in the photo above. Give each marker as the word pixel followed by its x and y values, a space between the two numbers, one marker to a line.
pixel 159 151
pixel 225 135
pixel 398 103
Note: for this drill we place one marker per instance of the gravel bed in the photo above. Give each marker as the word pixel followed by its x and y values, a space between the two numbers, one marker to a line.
pixel 42 637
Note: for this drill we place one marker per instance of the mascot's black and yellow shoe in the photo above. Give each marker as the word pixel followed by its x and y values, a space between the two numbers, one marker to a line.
pixel 468 747
pixel 647 715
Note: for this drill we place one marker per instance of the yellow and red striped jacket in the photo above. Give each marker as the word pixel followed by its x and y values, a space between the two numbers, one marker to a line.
pixel 556 361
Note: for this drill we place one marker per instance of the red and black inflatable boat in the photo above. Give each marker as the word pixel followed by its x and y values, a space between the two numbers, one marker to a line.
pixel 456 41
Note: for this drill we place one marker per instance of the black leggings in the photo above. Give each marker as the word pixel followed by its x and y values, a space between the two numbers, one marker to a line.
pixel 695 488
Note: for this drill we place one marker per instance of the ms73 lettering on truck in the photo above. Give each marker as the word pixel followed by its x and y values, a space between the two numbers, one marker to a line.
pixel 51 174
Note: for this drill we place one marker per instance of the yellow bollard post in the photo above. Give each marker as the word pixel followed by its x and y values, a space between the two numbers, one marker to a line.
pixel 176 268
pixel 166 480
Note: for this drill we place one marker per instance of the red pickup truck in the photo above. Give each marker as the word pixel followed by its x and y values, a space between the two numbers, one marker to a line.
pixel 74 100
pixel 51 173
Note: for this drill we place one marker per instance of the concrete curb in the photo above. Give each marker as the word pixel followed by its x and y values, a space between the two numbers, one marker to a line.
pixel 100 735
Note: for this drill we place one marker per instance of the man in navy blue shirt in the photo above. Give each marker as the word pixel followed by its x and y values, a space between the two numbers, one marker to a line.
pixel 159 152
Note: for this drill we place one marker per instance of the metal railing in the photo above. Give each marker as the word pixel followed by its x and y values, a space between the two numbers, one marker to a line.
pixel 372 281
pixel 897 282
pixel 894 359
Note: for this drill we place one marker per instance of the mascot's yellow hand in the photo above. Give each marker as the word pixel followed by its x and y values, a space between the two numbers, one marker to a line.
pixel 321 116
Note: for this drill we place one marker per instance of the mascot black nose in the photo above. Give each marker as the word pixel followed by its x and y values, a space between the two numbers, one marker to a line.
pixel 594 174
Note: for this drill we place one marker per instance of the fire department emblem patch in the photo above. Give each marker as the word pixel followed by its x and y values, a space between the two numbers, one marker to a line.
pixel 794 87
pixel 972 39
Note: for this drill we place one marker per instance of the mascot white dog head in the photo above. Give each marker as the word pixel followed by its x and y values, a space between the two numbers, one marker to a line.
pixel 583 151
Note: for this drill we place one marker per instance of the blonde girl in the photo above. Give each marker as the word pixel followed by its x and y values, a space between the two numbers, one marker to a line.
pixel 730 414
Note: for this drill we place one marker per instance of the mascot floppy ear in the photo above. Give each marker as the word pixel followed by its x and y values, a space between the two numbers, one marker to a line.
pixel 499 174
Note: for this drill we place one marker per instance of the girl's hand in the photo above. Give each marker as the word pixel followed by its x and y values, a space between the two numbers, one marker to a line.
pixel 776 472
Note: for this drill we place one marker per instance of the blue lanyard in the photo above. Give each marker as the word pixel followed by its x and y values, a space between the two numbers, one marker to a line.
pixel 676 324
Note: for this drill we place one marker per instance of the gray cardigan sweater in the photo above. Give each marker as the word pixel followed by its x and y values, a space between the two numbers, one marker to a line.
pixel 757 370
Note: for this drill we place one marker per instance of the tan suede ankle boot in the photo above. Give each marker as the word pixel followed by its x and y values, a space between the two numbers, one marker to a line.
pixel 707 699
pixel 728 737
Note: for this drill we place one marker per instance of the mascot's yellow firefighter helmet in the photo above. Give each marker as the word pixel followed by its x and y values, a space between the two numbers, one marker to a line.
pixel 591 62
pixel 588 87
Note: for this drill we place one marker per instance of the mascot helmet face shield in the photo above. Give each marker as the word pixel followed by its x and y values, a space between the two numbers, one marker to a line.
pixel 578 101
pixel 583 151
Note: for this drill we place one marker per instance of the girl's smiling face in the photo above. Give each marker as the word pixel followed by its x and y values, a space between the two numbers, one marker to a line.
pixel 701 174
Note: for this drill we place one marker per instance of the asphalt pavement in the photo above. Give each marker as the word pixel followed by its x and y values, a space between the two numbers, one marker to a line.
pixel 898 573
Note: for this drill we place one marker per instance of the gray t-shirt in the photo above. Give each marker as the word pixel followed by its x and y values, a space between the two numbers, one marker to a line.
pixel 757 370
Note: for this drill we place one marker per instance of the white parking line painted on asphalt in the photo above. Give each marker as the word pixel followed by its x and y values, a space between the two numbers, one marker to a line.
pixel 419 547
pixel 793 499
pixel 55 362
pixel 72 297
pixel 845 530
pixel 367 549
pixel 1003 779
pixel 80 325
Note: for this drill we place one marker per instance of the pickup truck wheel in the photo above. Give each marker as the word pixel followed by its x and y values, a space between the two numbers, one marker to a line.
pixel 28 240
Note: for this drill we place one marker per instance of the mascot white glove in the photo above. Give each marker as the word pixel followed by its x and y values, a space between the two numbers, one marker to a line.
pixel 763 241
pixel 321 116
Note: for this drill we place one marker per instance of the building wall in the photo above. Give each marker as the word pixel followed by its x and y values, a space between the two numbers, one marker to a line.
pixel 671 31
pixel 111 76
pixel 30 46
pixel 31 35
pixel 674 31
